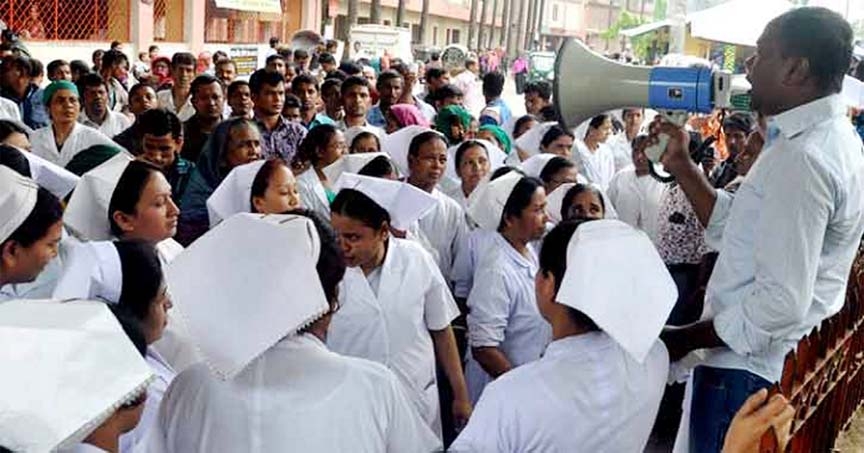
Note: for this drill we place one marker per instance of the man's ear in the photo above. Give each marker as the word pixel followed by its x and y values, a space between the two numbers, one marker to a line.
pixel 796 71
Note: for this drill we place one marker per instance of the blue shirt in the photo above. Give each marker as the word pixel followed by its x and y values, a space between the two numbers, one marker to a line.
pixel 375 117
pixel 32 110
pixel 320 119
pixel 504 113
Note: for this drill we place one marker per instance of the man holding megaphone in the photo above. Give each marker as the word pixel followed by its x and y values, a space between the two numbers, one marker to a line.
pixel 788 237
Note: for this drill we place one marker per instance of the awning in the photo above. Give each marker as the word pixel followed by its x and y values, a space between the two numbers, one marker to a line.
pixel 738 22
pixel 645 28
pixel 255 6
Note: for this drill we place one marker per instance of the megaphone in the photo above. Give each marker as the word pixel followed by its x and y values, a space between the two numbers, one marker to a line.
pixel 587 84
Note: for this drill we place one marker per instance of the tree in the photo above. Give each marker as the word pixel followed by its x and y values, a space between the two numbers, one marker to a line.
pixel 375 12
pixel 641 44
pixel 660 9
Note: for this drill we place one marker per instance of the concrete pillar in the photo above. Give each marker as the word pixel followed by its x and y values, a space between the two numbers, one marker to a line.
pixel 141 27
pixel 195 23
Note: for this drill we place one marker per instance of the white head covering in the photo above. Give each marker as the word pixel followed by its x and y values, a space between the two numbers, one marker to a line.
pixel 529 142
pixel 350 163
pixel 404 202
pixel 228 293
pixel 555 199
pixel 54 178
pixel 487 201
pixel 352 132
pixel 616 277
pixel 397 144
pixel 17 200
pixel 91 270
pixel 234 192
pixel 87 212
pixel 71 368
pixel 496 155
pixel 535 164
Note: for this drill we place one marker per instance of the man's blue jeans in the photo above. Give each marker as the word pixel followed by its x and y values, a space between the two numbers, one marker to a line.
pixel 718 393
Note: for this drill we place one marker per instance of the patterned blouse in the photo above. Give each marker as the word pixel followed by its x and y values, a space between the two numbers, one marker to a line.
pixel 680 236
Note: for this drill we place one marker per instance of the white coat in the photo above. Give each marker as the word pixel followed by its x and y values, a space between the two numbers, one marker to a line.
pixel 115 123
pixel 585 395
pixel 81 138
pixel 313 196
pixel 445 227
pixel 296 396
pixel 637 200
pixel 133 440
pixel 503 311
pixel 9 110
pixel 469 255
pixel 597 166
pixel 388 321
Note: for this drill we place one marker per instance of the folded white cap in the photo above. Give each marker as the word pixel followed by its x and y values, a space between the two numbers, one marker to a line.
pixel 67 367
pixel 86 215
pixel 534 165
pixel 397 144
pixel 91 270
pixel 350 163
pixel 495 154
pixel 616 277
pixel 486 203
pixel 404 202
pixel 54 178
pixel 234 194
pixel 17 200
pixel 352 132
pixel 555 199
pixel 529 142
pixel 246 284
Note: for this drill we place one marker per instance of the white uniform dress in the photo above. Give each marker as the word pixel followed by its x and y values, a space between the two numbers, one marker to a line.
pixel 637 200
pixel 133 440
pixel 166 101
pixel 622 150
pixel 386 317
pixel 312 193
pixel 296 396
pixel 585 395
pixel 81 138
pixel 503 311
pixel 9 110
pixel 445 227
pixel 598 165
pixel 470 253
pixel 114 123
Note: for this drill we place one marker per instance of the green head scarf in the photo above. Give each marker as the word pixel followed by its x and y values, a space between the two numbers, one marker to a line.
pixel 450 115
pixel 91 158
pixel 49 91
pixel 500 135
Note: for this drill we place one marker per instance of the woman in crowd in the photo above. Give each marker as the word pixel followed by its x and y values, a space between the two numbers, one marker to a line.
pixel 263 186
pixel 552 169
pixel 323 145
pixel 595 159
pixel 363 139
pixel 579 201
pixel 65 137
pixel 472 164
pixel 396 308
pixel 404 115
pixel 455 123
pixel 234 142
pixel 496 135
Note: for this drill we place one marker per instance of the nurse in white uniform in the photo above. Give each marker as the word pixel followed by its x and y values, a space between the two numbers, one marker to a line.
pixel 30 230
pixel 128 276
pixel 603 288
pixel 595 158
pixel 274 386
pixel 637 195
pixel 263 186
pixel 579 201
pixel 470 163
pixel 395 307
pixel 322 146
pixel 505 328
pixel 58 396
pixel 65 137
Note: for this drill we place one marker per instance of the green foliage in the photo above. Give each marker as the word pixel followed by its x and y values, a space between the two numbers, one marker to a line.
pixel 660 9
pixel 640 44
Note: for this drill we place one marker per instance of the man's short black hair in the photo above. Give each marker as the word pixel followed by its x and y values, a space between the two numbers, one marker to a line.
pixel 263 77
pixel 337 75
pixel 303 78
pixel 388 75
pixel 79 66
pixel 152 48
pixel 448 91
pixel 821 36
pixel 493 84
pixel 274 41
pixel 274 57
pixel 330 83
pixel 160 122
pixel 300 53
pixel 350 68
pixel 541 88
pixel 201 81
pixel 115 44
pixel 20 62
pixel 55 65
pixel 235 85
pixel 292 102
pixel 112 57
pixel 326 58
pixel 226 62
pixel 435 73
pixel 37 70
pixel 354 81
pixel 89 80
pixel 184 58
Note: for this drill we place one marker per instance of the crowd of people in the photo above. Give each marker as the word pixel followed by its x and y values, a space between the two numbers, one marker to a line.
pixel 331 256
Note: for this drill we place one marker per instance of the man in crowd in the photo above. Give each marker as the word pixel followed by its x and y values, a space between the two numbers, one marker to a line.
pixel 95 112
pixel 291 109
pixel 537 95
pixel 301 60
pixel 240 99
pixel 305 87
pixel 327 62
pixel 497 112
pixel 787 242
pixel 355 102
pixel 409 78
pixel 16 85
pixel 390 85
pixel 208 100
pixel 736 128
pixel 177 98
pixel 332 96
pixel 435 79
pixel 142 98
pixel 279 137
pixel 115 71
pixel 59 70
pixel 276 63
pixel 226 72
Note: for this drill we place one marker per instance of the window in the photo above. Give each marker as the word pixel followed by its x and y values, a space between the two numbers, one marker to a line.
pixel 454 35
pixel 243 27
pixel 168 20
pixel 83 20
pixel 415 34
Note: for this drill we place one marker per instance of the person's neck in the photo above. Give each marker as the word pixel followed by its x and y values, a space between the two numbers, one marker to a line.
pixel 631 134
pixel 467 189
pixel 352 121
pixel 592 144
pixel 180 94
pixel 105 438
pixel 335 116
pixel 491 100
pixel 563 327
pixel 519 244
pixel 207 124
pixel 793 102
pixel 269 121
pixel 426 187
pixel 308 116
pixel 321 175
pixel 368 268
pixel 62 130
pixel 96 118
pixel 642 173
